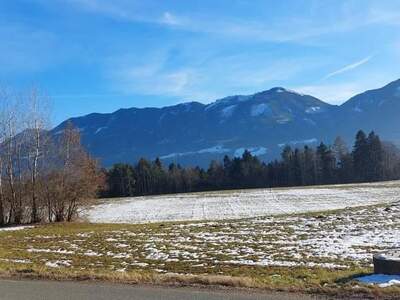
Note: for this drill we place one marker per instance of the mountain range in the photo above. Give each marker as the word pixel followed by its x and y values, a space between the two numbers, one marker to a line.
pixel 193 133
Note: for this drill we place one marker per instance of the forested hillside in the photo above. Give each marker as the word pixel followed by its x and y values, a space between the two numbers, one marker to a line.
pixel 369 160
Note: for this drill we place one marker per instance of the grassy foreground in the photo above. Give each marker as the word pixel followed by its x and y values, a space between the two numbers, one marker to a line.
pixel 284 253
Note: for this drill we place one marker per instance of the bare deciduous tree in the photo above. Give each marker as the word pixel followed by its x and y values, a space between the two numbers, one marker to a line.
pixel 74 179
pixel 42 177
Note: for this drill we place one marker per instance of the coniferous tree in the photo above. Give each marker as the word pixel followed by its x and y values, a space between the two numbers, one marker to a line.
pixel 215 174
pixel 159 176
pixel 144 177
pixel 343 159
pixel 227 163
pixel 309 166
pixel 375 158
pixel 297 168
pixel 287 161
pixel 360 156
pixel 325 163
pixel 121 181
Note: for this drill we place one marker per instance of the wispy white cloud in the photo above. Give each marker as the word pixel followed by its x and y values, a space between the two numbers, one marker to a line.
pixel 349 67
pixel 384 15
pixel 304 27
pixel 197 79
pixel 284 29
pixel 150 77
pixel 170 19
pixel 194 74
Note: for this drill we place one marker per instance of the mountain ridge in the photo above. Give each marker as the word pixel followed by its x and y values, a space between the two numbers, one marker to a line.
pixel 194 133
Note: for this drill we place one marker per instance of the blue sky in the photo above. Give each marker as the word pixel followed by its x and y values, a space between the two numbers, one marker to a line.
pixel 101 55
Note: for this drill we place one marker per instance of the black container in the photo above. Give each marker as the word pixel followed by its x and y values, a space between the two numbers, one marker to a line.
pixel 387 263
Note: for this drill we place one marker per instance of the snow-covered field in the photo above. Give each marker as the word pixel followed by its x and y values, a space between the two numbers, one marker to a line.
pixel 333 240
pixel 241 203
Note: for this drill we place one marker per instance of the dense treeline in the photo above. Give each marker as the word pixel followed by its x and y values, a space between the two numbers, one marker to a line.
pixel 369 160
pixel 42 178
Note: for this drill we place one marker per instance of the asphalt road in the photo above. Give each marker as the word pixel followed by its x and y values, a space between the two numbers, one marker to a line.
pixel 43 290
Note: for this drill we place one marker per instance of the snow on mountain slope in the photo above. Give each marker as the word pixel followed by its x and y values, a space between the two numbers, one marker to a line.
pixel 260 109
pixel 266 119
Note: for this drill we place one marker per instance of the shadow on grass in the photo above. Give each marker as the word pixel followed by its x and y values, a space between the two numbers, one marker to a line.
pixel 348 279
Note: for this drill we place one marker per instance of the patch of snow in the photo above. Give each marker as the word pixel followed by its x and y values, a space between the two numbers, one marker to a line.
pixel 15 228
pixel 111 240
pixel 227 100
pixel 260 109
pixel 294 92
pixel 58 263
pixel 46 236
pixel 283 120
pixel 121 270
pixel 390 255
pixel 18 261
pixel 293 143
pixel 100 129
pixel 380 280
pixel 309 121
pixel 122 255
pixel 227 112
pixel 171 155
pixel 92 253
pixel 282 90
pixel 84 234
pixel 257 151
pixel 313 110
pixel 214 149
pixel 139 264
pixel 59 251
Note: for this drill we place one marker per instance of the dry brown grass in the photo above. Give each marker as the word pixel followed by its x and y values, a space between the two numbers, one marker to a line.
pixel 343 291
pixel 211 269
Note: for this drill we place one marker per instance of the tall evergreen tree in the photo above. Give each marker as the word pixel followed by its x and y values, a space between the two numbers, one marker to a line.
pixel 325 163
pixel 375 158
pixel 145 177
pixel 309 166
pixel 297 168
pixel 360 156
pixel 287 161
